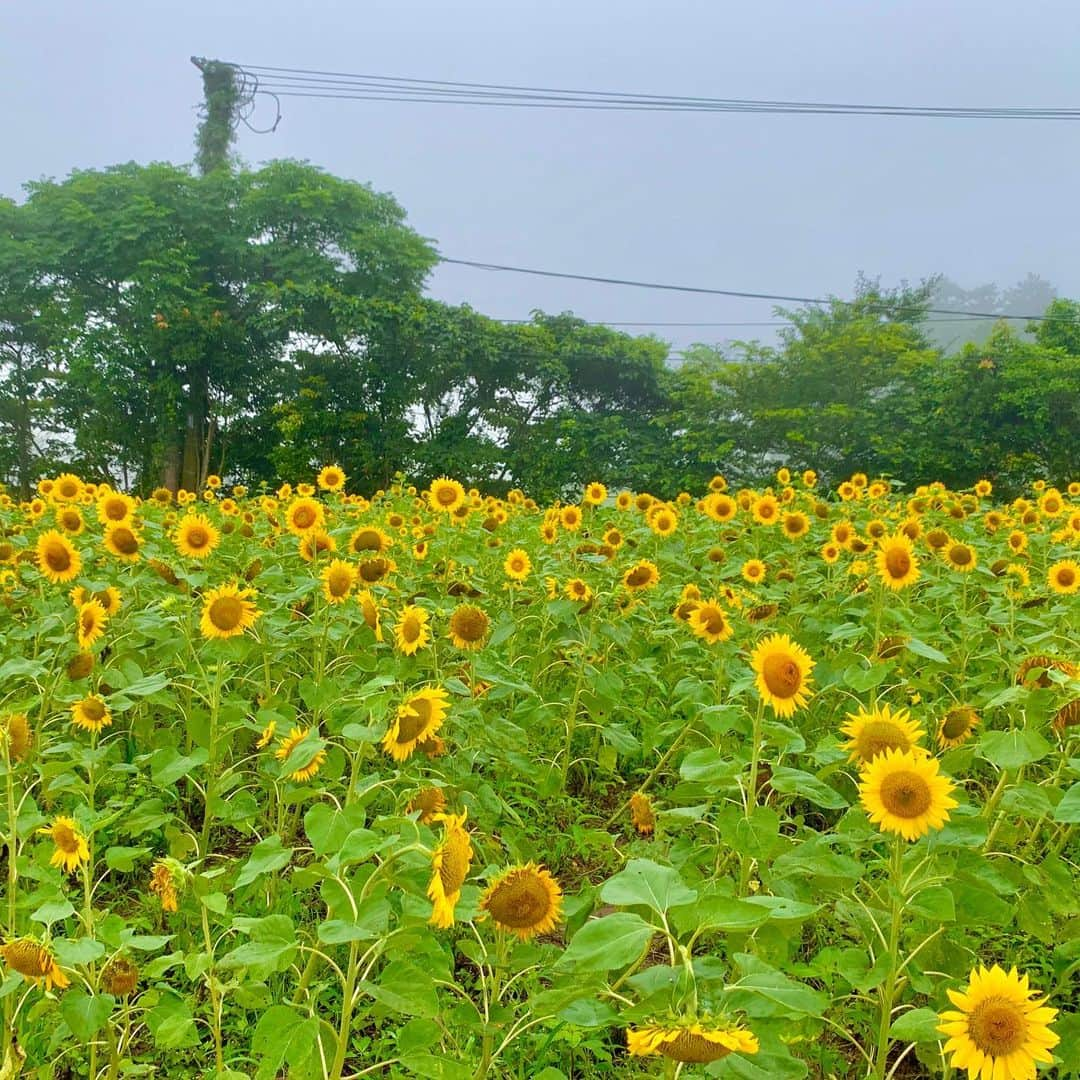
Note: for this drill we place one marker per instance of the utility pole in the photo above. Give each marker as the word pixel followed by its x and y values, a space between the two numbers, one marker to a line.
pixel 221 96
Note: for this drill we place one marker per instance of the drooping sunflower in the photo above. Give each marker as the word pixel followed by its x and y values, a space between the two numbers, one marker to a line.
pixel 524 901
pixel 468 627
pixel 642 815
pixel 783 674
pixel 957 726
pixel 897 563
pixel 304 514
pixel 115 507
pixel 960 556
pixel 446 495
pixel 195 536
pixel 227 612
pixel 518 565
pixel 1064 577
pixel 1000 1027
pixel 642 575
pixel 57 559
pixel 34 962
pixel 123 541
pixel 331 478
pixel 904 793
pixel 450 863
pixel 709 621
pixel 370 610
pixel 91 714
pixel 79 666
pixel 313 762
pixel 690 1040
pixel 70 849
pixel 119 977
pixel 415 721
pixel 16 736
pixel 89 623
pixel 430 802
pixel 338 580
pixel 164 884
pixel 411 633
pixel 872 733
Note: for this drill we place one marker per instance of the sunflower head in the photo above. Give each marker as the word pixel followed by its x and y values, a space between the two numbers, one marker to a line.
pixel 690 1040
pixel 16 735
pixel 518 565
pixel 468 627
pixel 415 722
pixel 904 793
pixel 70 849
pixel 57 560
pixel 91 714
pixel 34 962
pixel 450 863
pixel 446 495
pixel 524 901
pixel 709 621
pixel 872 733
pixel 642 575
pixel 227 612
pixel 331 478
pixel 642 815
pixel 783 674
pixel 338 580
pixel 411 633
pixel 957 726
pixel 897 563
pixel 1064 577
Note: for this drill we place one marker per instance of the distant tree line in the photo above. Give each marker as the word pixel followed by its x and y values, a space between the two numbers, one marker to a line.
pixel 157 326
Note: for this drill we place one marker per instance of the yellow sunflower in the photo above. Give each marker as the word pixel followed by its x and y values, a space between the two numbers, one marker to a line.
pixel 430 802
pixel 16 736
pixel 91 714
pixel 578 590
pixel 518 565
pixel 369 538
pixel 314 543
pixel 570 518
pixel 904 793
pixel 227 612
pixel 67 487
pixel 468 627
pixel 783 674
pixel 664 521
pixel 34 962
pixel 795 524
pixel 720 507
pixel 642 575
pixel 960 556
pixel 69 844
pixel 411 634
pixel 115 507
pixel 123 541
pixel 370 610
pixel 753 571
pixel 416 720
pixel 524 901
pixel 331 478
pixel 57 559
pixel 195 537
pixel 1000 1027
pixel 338 580
pixel 595 493
pixel 70 520
pixel 897 563
pixel 690 1040
pixel 872 733
pixel 450 863
pixel 642 815
pixel 709 621
pixel 445 495
pixel 90 623
pixel 957 726
pixel 1064 577
pixel 313 762
pixel 303 515
pixel 766 510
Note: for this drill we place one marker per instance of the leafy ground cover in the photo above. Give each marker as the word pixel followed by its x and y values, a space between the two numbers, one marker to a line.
pixel 755 784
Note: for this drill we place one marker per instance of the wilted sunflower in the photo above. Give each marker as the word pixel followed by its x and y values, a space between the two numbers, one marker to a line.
pixel 303 515
pixel 446 495
pixel 430 802
pixel 370 610
pixel 709 621
pixel 331 478
pixel 411 633
pixel 904 793
pixel 34 962
pixel 1000 1028
pixel 227 612
pixel 642 816
pixel 690 1040
pixel 518 565
pixel 195 537
pixel 872 733
pixel 897 563
pixel 783 674
pixel 91 714
pixel 119 977
pixel 314 761
pixel 338 580
pixel 1064 577
pixel 56 558
pixel 468 627
pixel 89 623
pixel 642 575
pixel 415 721
pixel 960 556
pixel 1045 663
pixel 957 725
pixel 450 863
pixel 70 849
pixel 524 901
pixel 163 883
pixel 16 736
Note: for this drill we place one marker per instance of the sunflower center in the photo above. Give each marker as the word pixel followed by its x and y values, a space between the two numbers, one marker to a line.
pixel 878 736
pixel 88 620
pixel 897 562
pixel 339 582
pixel 445 495
pixel 998 1027
pixel 64 838
pixel 714 619
pixel 782 676
pixel 368 540
pixel 413 720
pixel 1066 576
pixel 58 557
pixel 689 1047
pixel 27 958
pixel 957 723
pixel 455 861
pixel 304 517
pixel 374 569
pixel 226 612
pixel 638 576
pixel 125 541
pixel 410 629
pixel 116 510
pixel 469 624
pixel 906 794
pixel 93 710
pixel 960 554
pixel 519 902
pixel 197 537
pixel 70 520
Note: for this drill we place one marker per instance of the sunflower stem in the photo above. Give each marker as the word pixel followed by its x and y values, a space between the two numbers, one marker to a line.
pixel 347 1001
pixel 211 764
pixel 752 790
pixel 12 843
pixel 888 990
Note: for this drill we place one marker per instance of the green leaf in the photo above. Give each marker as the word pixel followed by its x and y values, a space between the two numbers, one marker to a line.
pixel 405 988
pixel 167 765
pixel 717 912
pixel 53 911
pixel 86 1014
pixel 916 1025
pixel 171 1023
pixel 77 952
pixel 1011 749
pixel 920 648
pixel 764 991
pixel 123 858
pixel 1068 810
pixel 371 922
pixel 805 785
pixel 431 1067
pixel 267 856
pixel 284 1037
pixel 273 942
pixel 644 882
pixel 604 944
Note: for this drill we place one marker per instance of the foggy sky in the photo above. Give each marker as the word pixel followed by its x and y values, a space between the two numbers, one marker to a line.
pixel 781 204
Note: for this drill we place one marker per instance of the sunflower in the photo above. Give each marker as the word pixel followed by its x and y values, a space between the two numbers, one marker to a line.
pixel 872 733
pixel 664 522
pixel 690 1040
pixel 570 518
pixel 708 620
pixel 370 610
pixel 163 884
pixel 369 538
pixel 70 849
pixel 90 623
pixel 1046 664
pixel 795 524
pixel 227 612
pixel 314 543
pixel 595 494
pixel 720 507
pixel 766 510
pixel 331 478
pixel 1064 577
pixel 416 720
pixel 903 793
pixel 624 500
pixel 524 901
pixel 109 598
pixel 468 627
pixel 430 802
pixel 897 563
pixel 753 571
pixel 1051 503
pixel 266 735
pixel 34 962
pixel 338 580
pixel 16 735
pixel 70 520
pixel 303 515
pixel 115 507
pixel 91 714
pixel 123 541
pixel 56 558
pixel 549 532
pixel 314 760
pixel 578 591
pixel 783 674
pixel 518 565
pixel 67 487
pixel 411 634
pixel 119 977
pixel 642 815
pixel 830 552
pixel 1000 1028
pixel 450 863
pixel 956 726
pixel 960 556
pixel 445 495
pixel 642 575
pixel 195 537
pixel 79 666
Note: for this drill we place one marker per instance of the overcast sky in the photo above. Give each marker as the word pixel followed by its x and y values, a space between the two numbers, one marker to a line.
pixel 781 204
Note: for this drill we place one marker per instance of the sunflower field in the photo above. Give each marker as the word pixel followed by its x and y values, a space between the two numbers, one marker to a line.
pixel 760 784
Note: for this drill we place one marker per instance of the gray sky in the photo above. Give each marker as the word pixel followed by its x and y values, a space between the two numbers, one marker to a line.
pixel 765 203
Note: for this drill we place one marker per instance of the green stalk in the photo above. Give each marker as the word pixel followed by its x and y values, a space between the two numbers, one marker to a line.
pixel 338 1066
pixel 211 764
pixel 888 990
